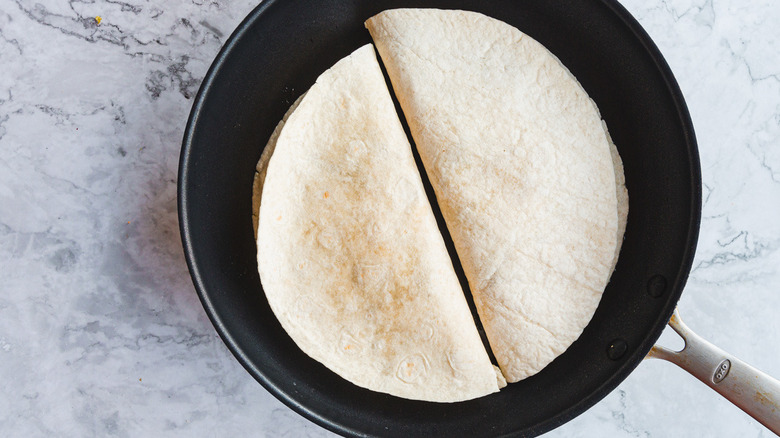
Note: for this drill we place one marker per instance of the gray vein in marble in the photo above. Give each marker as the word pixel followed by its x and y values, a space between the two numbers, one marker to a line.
pixel 704 13
pixel 78 26
pixel 214 30
pixel 619 416
pixel 14 42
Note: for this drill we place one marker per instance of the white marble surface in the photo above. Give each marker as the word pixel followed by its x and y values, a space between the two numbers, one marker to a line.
pixel 101 332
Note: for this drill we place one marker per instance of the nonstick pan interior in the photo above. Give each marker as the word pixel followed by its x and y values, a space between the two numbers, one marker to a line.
pixel 277 53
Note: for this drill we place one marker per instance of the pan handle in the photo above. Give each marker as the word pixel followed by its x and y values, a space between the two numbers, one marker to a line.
pixel 751 390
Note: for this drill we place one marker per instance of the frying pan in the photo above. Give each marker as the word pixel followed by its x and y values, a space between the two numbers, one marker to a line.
pixel 276 54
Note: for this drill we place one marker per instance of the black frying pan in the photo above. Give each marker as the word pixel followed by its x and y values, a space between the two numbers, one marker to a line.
pixel 277 53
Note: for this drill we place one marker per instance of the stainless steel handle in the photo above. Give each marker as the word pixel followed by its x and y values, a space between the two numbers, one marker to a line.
pixel 751 390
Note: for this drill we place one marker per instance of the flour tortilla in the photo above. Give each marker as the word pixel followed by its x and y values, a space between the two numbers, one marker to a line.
pixel 349 253
pixel 521 166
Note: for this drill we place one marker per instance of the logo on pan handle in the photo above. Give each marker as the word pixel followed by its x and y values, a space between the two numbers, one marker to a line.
pixel 721 371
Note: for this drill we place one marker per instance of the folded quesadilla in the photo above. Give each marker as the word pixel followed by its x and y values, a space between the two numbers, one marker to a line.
pixel 521 166
pixel 349 253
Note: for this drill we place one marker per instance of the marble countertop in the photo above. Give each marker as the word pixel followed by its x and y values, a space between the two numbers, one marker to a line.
pixel 101 332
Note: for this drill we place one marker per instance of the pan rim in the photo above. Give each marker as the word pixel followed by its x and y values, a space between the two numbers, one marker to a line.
pixel 560 418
